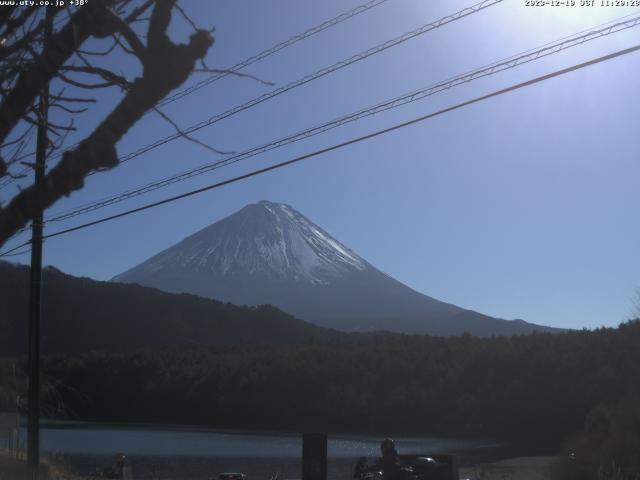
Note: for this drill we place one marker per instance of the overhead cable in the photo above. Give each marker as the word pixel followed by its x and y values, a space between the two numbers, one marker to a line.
pixel 377 133
pixel 244 63
pixel 276 48
pixel 314 76
pixel 491 69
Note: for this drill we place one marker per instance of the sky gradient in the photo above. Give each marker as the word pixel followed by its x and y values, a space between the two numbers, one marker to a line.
pixel 523 206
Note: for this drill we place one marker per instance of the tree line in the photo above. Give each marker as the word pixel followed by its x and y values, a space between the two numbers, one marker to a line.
pixel 537 389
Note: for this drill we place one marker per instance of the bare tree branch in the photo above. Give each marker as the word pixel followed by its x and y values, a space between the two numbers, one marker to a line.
pixel 165 67
pixel 67 109
pixel 112 79
pixel 137 47
pixel 102 72
pixel 23 41
pixel 234 73
pixel 73 99
pixel 187 18
pixel 188 137
pixel 11 26
pixel 85 22
pixel 17 140
pixel 100 54
pixel 139 11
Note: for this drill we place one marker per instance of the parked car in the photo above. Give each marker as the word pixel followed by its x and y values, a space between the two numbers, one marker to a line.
pixel 231 476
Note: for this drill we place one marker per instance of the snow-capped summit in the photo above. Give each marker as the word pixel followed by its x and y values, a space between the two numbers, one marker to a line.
pixel 269 253
pixel 268 239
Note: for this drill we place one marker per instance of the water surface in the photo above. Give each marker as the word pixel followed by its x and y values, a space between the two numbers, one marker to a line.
pixel 184 453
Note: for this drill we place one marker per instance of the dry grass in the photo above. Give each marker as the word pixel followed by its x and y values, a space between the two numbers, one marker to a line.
pixel 12 468
pixel 524 468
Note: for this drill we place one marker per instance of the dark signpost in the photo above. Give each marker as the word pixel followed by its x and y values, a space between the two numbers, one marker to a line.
pixel 314 456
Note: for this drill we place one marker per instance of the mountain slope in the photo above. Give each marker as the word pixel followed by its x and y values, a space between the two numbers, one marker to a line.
pixel 270 253
pixel 80 315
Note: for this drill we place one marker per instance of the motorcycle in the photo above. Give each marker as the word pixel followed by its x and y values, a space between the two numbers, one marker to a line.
pixel 411 467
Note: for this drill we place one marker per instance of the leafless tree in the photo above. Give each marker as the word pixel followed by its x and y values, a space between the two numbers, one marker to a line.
pixel 27 63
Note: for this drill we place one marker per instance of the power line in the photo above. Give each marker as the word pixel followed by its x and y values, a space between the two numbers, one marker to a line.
pixel 490 69
pixel 276 48
pixel 240 65
pixel 9 253
pixel 314 76
pixel 503 91
pixel 17 254
pixel 308 78
pixel 377 133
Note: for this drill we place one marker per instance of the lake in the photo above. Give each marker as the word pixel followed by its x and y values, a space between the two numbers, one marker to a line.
pixel 165 452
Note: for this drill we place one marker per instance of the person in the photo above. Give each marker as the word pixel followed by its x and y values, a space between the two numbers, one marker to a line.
pixel 360 468
pixel 121 460
pixel 389 463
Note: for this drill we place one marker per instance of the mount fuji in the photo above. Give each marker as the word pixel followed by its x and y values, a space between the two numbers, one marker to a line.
pixel 269 253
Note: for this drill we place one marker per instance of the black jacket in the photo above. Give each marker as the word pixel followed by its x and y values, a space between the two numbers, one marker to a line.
pixel 390 466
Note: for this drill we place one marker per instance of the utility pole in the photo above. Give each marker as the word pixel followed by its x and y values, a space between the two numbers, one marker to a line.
pixel 33 438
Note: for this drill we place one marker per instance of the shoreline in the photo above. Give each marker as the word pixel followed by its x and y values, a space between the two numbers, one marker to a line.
pixel 520 468
pixel 186 427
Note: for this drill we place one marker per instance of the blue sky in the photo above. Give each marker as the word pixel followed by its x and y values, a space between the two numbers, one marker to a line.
pixel 523 206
